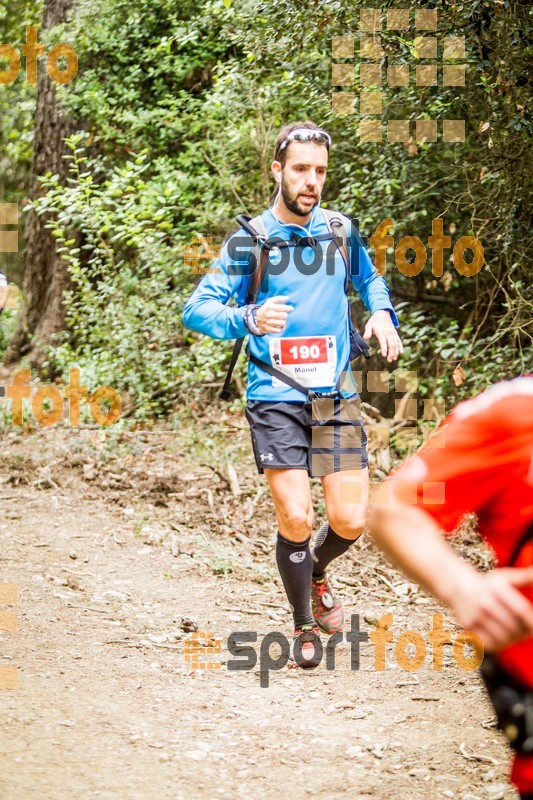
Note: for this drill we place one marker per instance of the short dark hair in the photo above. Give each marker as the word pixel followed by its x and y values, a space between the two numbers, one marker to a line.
pixel 284 132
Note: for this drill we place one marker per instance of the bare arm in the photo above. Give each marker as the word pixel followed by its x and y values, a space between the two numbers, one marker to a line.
pixel 489 604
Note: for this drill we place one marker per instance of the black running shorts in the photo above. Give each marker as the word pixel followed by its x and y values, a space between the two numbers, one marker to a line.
pixel 323 437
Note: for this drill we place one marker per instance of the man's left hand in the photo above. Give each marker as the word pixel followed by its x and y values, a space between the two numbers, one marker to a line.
pixel 380 324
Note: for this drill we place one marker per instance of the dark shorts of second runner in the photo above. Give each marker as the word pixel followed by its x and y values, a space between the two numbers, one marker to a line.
pixel 324 438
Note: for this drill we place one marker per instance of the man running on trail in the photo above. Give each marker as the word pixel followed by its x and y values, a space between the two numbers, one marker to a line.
pixel 299 325
pixel 479 460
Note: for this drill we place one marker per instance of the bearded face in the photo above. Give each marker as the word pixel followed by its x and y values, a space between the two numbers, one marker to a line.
pixel 302 176
pixel 300 201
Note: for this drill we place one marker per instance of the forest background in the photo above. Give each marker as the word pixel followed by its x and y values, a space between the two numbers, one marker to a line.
pixel 167 133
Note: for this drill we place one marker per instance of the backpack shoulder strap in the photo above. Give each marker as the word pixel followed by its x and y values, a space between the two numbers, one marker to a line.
pixel 256 228
pixel 337 223
pixel 259 251
pixel 259 225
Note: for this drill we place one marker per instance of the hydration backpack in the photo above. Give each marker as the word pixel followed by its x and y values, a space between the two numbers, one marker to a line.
pixel 256 229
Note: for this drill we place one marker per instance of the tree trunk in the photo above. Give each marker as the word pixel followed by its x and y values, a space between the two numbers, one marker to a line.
pixel 45 274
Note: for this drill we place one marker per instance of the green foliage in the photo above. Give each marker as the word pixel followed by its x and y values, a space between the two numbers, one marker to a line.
pixel 17 108
pixel 123 256
pixel 181 103
pixel 8 323
pixel 450 362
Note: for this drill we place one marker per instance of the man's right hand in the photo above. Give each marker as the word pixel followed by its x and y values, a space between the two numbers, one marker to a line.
pixel 495 609
pixel 272 315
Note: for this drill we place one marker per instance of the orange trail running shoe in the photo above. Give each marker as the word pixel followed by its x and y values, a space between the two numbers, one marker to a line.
pixel 309 657
pixel 327 610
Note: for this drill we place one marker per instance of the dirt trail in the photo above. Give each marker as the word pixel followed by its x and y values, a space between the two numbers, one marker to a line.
pixel 108 707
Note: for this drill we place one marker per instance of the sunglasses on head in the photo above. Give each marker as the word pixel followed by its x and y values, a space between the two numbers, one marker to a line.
pixel 305 135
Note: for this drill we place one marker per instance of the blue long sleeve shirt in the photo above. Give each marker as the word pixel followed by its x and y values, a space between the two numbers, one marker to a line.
pixel 314 345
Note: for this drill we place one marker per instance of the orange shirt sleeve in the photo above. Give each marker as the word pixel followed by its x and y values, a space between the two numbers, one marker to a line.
pixel 464 465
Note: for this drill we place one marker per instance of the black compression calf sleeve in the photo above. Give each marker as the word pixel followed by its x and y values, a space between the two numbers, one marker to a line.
pixel 328 545
pixel 295 567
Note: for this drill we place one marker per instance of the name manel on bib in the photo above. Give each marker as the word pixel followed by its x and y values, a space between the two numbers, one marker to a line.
pixel 311 360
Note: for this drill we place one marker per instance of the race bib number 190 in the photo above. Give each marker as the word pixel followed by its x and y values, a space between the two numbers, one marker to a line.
pixel 311 360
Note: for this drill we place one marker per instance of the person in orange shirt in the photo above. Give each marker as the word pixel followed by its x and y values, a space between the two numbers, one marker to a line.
pixel 479 460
